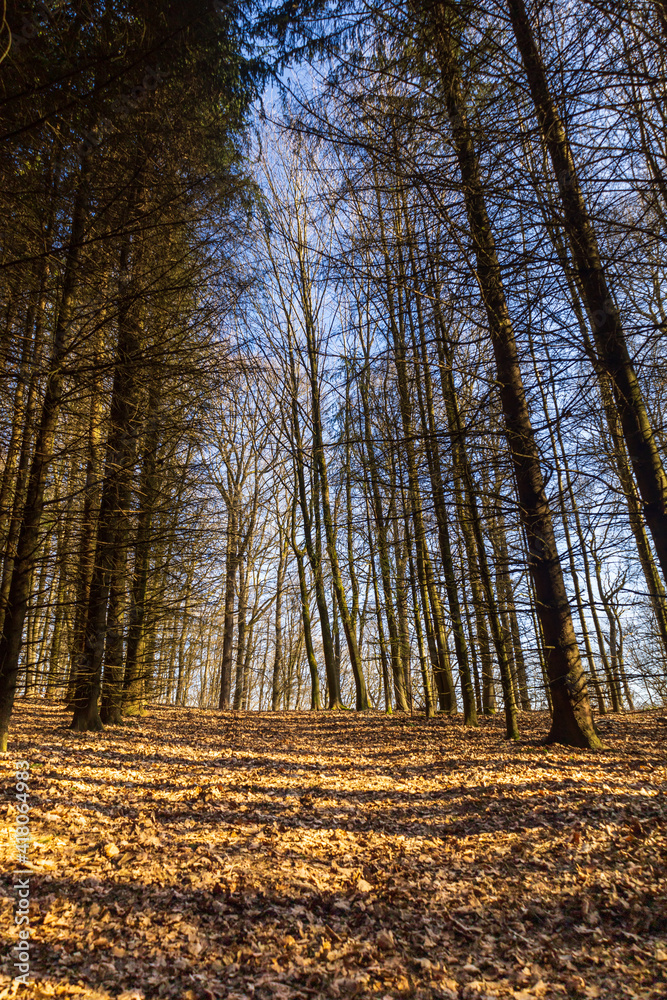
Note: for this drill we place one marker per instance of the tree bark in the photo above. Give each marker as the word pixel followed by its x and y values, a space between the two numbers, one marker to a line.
pixel 315 703
pixel 231 566
pixel 313 546
pixel 572 720
pixel 604 317
pixel 277 680
pixel 397 672
pixel 241 631
pixel 425 398
pixel 136 673
pixel 329 531
pixel 119 464
pixel 28 538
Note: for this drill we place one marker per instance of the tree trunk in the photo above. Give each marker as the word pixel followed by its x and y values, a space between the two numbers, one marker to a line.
pixel 603 313
pixel 468 517
pixel 112 683
pixel 278 681
pixel 313 546
pixel 89 521
pixel 561 464
pixel 329 532
pixel 472 525
pixel 433 622
pixel 28 538
pixel 119 464
pixel 401 560
pixel 504 587
pixel 429 430
pixel 135 674
pixel 225 699
pixel 241 636
pixel 429 704
pixel 572 721
pixel 397 672
pixel 305 616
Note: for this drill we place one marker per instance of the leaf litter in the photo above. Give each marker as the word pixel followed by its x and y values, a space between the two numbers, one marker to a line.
pixel 196 854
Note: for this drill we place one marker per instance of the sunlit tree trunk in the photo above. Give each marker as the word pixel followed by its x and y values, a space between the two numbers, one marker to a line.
pixel 136 672
pixel 429 430
pixel 313 546
pixel 429 702
pixel 572 720
pixel 119 464
pixel 603 314
pixel 278 680
pixel 112 681
pixel 431 607
pixel 471 525
pixel 305 614
pixel 327 516
pixel 241 630
pixel 397 672
pixel 28 542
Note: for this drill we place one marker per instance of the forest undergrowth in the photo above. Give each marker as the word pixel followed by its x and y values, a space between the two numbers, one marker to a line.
pixel 195 854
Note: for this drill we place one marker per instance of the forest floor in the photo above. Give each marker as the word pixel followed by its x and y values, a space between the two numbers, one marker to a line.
pixel 196 854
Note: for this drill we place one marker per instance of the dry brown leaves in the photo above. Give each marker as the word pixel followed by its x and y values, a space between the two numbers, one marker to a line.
pixel 196 854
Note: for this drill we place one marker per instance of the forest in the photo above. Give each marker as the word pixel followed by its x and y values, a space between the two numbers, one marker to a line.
pixel 354 397
pixel 332 341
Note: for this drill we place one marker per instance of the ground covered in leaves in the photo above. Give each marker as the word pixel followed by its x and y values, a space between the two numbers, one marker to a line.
pixel 197 854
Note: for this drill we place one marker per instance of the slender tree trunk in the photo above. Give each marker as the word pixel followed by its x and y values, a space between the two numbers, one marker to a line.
pixel 349 525
pixel 433 619
pixel 402 618
pixel 423 663
pixel 247 663
pixel 473 656
pixel 231 565
pixel 429 430
pixel 604 317
pixel 27 546
pixel 181 675
pixel 32 626
pixel 471 523
pixel 397 672
pixel 241 636
pixel 112 682
pixel 468 517
pixel 606 666
pixel 313 546
pixel 278 681
pixel 572 720
pixel 305 616
pixel 91 504
pixel 499 537
pixel 614 666
pixel 329 531
pixel 561 464
pixel 321 466
pixel 135 675
pixel 381 640
pixel 119 464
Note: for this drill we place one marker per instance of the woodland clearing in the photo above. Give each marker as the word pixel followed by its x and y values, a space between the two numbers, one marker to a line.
pixel 197 854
